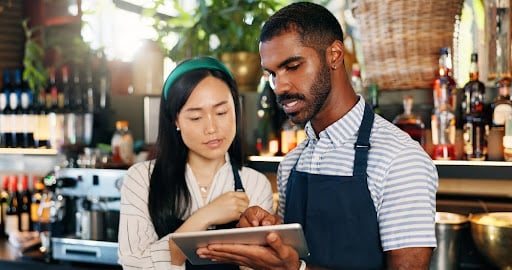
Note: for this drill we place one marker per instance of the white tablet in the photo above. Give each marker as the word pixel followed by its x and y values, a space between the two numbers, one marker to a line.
pixel 188 242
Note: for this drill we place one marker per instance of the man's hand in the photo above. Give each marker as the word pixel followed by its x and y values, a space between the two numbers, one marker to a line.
pixel 276 255
pixel 255 216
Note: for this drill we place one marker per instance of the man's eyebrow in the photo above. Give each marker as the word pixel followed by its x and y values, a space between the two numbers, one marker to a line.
pixel 285 62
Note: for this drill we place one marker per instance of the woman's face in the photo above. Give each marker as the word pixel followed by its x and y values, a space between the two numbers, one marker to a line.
pixel 207 120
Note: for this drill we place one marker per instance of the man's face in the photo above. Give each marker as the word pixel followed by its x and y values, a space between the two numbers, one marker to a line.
pixel 300 77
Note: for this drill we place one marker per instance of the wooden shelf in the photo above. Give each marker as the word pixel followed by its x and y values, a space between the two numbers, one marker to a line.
pixel 29 151
pixel 446 168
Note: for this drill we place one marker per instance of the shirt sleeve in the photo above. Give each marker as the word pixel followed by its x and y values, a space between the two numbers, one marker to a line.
pixel 258 189
pixel 407 212
pixel 139 246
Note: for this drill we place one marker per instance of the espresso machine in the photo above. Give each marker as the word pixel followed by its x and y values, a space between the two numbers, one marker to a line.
pixel 84 215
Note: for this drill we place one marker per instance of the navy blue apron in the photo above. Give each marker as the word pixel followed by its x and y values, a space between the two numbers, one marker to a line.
pixel 337 212
pixel 238 187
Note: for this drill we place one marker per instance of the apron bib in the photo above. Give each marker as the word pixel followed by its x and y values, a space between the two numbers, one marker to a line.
pixel 230 225
pixel 337 212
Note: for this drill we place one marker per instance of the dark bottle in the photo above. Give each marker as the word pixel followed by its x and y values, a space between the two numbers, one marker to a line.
pixel 410 122
pixel 16 117
pixel 475 128
pixel 4 196
pixel 89 97
pixel 42 132
pixel 267 131
pixel 12 209
pixel 374 98
pixel 474 90
pixel 5 129
pixel 27 115
pixel 24 200
pixel 55 115
pixel 75 122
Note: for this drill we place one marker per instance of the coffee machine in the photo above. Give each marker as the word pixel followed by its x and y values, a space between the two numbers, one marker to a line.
pixel 84 214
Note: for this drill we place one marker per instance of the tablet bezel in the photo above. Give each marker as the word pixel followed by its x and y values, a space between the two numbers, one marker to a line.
pixel 189 242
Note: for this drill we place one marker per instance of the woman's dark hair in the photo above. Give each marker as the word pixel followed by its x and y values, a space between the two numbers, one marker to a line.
pixel 316 25
pixel 169 197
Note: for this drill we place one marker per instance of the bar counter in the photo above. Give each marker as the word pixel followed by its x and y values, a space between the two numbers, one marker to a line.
pixel 12 259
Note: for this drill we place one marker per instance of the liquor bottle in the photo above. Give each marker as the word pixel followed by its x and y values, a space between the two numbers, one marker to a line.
pixel 5 129
pixel 474 90
pixel 122 144
pixel 90 99
pixel 35 201
pixel 475 128
pixel 410 122
pixel 267 131
pixel 24 200
pixel 12 209
pixel 443 119
pixel 4 195
pixel 288 136
pixel 501 107
pixel 74 118
pixel 356 81
pixel 374 98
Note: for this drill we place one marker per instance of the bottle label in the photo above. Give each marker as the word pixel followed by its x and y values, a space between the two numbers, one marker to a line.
pixel 11 224
pixel 3 101
pixel 25 222
pixel 501 113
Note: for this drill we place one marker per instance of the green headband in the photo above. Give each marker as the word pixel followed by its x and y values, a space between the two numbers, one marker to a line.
pixel 193 64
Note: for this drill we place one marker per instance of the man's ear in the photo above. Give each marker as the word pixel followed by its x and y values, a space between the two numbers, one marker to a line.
pixel 335 54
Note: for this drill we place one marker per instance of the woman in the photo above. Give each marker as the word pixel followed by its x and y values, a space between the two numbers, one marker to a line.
pixel 196 181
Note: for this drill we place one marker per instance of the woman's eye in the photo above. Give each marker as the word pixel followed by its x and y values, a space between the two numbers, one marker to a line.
pixel 222 113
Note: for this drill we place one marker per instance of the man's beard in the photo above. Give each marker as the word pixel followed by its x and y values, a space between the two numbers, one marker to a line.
pixel 319 92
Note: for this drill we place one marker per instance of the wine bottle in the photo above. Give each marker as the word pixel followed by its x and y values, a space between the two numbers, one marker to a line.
pixel 12 209
pixel 4 109
pixel 4 195
pixel 16 111
pixel 24 200
pixel 267 131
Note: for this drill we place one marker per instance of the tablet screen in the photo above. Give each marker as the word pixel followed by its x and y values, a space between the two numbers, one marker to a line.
pixel 188 242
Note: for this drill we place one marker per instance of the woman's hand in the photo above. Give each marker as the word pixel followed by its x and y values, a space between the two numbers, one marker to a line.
pixel 225 208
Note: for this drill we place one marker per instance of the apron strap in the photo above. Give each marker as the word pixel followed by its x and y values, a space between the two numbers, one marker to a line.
pixel 362 145
pixel 238 180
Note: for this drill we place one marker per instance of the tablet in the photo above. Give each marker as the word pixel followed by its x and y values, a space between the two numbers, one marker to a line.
pixel 188 242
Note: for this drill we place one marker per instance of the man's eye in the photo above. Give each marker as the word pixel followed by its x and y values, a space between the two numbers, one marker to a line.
pixel 293 67
pixel 222 113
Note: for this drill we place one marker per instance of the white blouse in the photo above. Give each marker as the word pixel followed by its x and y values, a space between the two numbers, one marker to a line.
pixel 139 246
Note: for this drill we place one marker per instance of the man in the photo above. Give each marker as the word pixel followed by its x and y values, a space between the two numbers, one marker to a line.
pixel 362 189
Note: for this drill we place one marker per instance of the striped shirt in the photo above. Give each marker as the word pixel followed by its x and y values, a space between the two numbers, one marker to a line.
pixel 139 246
pixel 402 179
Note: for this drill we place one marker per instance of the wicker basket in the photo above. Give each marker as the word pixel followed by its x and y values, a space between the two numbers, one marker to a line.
pixel 400 39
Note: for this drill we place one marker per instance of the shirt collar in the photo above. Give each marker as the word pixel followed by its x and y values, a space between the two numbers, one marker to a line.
pixel 344 129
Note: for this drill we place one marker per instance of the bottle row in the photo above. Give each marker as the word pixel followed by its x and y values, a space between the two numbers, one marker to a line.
pixel 454 109
pixel 19 204
pixel 61 112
